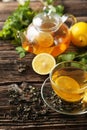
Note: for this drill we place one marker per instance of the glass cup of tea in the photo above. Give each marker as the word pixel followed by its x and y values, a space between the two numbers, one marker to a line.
pixel 69 82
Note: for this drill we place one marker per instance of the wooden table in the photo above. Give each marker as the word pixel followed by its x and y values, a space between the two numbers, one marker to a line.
pixel 10 74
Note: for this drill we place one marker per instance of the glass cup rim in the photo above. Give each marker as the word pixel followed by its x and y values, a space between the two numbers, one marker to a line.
pixel 50 75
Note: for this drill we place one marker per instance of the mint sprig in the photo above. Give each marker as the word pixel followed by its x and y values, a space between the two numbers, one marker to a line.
pixel 21 51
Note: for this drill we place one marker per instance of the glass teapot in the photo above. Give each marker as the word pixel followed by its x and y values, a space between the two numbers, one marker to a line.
pixel 48 33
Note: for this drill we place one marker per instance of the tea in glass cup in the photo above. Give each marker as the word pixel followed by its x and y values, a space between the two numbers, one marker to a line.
pixel 69 82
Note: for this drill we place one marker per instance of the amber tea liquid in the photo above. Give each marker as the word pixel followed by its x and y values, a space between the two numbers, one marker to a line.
pixel 53 42
pixel 71 90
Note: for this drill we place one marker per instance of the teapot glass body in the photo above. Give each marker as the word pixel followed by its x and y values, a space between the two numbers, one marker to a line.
pixel 46 34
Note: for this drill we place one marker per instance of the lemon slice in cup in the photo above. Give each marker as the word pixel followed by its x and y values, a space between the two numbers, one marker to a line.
pixel 68 89
pixel 43 63
pixel 67 83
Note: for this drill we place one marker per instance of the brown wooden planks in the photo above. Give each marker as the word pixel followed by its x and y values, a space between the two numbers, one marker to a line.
pixel 9 74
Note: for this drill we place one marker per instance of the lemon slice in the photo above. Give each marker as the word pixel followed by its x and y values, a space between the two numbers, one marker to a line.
pixel 44 39
pixel 67 88
pixel 43 63
pixel 67 83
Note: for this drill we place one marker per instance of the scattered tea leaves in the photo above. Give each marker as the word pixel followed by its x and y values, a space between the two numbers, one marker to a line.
pixel 27 102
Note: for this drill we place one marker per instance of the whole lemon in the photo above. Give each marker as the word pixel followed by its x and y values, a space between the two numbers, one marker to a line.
pixel 79 34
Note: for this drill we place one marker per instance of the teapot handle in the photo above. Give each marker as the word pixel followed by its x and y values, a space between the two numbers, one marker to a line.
pixel 72 18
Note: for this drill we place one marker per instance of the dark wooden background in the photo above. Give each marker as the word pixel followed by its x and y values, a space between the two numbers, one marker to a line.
pixel 9 74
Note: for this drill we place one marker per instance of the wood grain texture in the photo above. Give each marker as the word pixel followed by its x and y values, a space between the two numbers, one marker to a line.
pixel 10 73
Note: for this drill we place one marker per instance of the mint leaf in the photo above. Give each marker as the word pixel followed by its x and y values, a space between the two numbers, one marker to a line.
pixel 66 57
pixel 21 51
pixel 60 9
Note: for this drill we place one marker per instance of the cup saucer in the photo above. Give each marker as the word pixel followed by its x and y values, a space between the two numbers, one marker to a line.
pixel 55 103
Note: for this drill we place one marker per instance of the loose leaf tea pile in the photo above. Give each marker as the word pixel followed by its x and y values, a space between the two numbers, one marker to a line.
pixel 27 103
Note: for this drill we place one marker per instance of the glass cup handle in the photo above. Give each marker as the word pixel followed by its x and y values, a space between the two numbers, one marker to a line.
pixel 72 18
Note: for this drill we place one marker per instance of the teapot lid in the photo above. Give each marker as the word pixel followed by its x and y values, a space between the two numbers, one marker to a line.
pixel 47 22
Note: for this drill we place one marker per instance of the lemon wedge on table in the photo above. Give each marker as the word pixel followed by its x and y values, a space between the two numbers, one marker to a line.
pixel 79 34
pixel 43 63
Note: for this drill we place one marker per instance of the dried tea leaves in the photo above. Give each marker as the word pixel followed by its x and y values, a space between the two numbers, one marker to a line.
pixel 26 103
